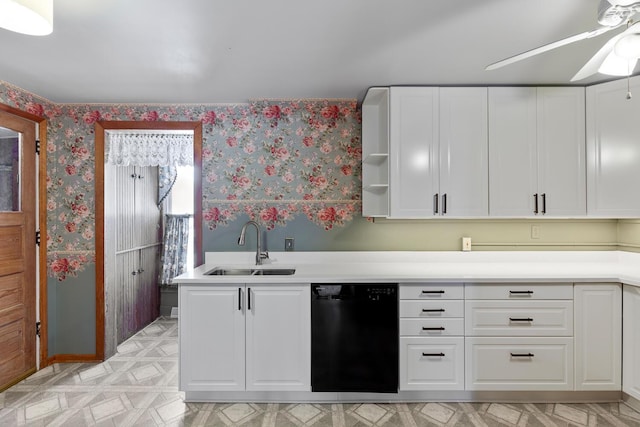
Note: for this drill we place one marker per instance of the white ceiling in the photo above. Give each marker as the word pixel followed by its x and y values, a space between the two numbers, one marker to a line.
pixel 226 51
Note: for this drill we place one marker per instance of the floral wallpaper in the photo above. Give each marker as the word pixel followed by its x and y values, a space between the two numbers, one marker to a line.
pixel 273 161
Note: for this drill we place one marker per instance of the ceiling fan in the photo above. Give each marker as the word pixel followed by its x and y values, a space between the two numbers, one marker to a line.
pixel 617 57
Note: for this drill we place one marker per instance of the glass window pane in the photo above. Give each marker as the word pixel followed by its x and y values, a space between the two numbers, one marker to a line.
pixel 9 170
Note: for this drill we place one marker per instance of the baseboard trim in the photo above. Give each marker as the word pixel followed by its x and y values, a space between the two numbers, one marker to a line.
pixel 631 401
pixel 73 358
pixel 407 396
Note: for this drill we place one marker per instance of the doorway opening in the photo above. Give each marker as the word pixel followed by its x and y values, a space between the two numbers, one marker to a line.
pixel 105 330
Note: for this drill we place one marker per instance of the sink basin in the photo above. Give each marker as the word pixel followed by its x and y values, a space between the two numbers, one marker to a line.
pixel 275 272
pixel 222 271
pixel 230 272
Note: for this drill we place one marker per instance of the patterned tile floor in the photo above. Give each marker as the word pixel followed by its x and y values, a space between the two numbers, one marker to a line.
pixel 138 387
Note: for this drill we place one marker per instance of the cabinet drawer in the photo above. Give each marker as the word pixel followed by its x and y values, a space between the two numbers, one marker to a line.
pixel 500 363
pixel 522 291
pixel 519 318
pixel 427 309
pixel 432 363
pixel 427 291
pixel 432 327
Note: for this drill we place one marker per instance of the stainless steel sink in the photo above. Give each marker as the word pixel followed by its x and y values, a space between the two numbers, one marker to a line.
pixel 274 272
pixel 222 271
pixel 230 272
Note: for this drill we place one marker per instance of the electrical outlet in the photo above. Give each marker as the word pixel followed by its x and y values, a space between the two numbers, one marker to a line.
pixel 535 231
pixel 288 244
pixel 466 244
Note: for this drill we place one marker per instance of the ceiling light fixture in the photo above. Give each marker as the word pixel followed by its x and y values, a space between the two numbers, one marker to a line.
pixel 628 46
pixel 32 17
pixel 615 65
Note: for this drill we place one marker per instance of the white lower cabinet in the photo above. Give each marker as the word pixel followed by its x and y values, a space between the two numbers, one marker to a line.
pixel 429 363
pixel 519 336
pixel 598 334
pixel 519 363
pixel 631 340
pixel 278 338
pixel 255 337
pixel 431 336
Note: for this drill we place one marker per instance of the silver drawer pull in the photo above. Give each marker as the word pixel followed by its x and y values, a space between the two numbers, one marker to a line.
pixel 526 293
pixel 522 354
pixel 520 319
pixel 433 292
pixel 433 354
pixel 439 328
pixel 433 310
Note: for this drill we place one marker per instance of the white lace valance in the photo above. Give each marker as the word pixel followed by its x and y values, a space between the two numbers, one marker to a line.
pixel 144 148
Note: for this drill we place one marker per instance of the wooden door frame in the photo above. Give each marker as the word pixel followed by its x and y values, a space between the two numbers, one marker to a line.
pixel 100 128
pixel 41 122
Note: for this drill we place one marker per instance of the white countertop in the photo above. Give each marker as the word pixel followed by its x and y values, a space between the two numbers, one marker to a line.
pixel 398 266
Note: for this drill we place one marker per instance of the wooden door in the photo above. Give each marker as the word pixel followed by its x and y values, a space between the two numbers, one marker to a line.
pixel 18 254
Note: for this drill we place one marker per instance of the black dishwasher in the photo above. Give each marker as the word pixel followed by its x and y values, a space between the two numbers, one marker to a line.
pixel 354 337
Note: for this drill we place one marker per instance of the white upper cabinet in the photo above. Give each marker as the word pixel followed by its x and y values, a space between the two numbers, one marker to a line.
pixel 464 163
pixel 414 136
pixel 438 152
pixel 561 151
pixel 375 153
pixel 536 151
pixel 613 149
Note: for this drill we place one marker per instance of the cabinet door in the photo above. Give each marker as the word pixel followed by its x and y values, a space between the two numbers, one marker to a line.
pixel 147 211
pixel 561 151
pixel 125 211
pixel 598 326
pixel 612 149
pixel 432 363
pixel 127 265
pixel 212 338
pixel 512 151
pixel 464 164
pixel 519 363
pixel 279 338
pixel 631 340
pixel 413 151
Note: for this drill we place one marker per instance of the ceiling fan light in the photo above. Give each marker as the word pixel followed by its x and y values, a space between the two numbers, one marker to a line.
pixel 628 46
pixel 32 17
pixel 615 65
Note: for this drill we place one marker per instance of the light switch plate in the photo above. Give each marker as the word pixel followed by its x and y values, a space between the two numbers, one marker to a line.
pixel 288 244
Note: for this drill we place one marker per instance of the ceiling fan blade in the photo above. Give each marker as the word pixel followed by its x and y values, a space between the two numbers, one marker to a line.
pixel 548 47
pixel 592 66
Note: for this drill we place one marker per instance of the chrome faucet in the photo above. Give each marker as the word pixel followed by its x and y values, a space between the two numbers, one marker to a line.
pixel 260 255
